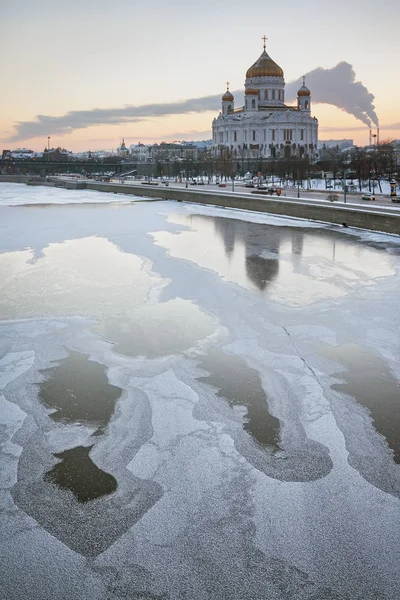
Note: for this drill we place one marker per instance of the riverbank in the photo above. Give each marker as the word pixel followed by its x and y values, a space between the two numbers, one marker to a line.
pixel 375 218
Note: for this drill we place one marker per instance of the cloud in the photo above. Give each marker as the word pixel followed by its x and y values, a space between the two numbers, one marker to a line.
pixel 336 86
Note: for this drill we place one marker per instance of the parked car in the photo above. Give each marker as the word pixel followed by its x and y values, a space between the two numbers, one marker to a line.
pixel 333 197
pixel 276 191
pixel 267 191
pixel 222 185
pixel 367 197
pixel 249 184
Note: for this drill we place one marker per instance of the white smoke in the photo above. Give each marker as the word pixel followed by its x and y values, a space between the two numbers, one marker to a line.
pixel 338 86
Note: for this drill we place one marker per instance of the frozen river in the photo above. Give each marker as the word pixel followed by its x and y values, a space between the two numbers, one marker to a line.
pixel 195 403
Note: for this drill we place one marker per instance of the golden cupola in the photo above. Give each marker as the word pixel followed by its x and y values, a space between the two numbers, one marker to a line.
pixel 304 91
pixel 264 67
pixel 251 92
pixel 227 97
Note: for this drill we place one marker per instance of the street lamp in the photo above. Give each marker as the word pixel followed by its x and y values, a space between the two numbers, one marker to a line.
pixel 48 143
pixel 344 185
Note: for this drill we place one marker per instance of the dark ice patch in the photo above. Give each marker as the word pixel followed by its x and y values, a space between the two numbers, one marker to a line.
pixel 241 386
pixel 78 390
pixel 77 473
pixel 287 453
pixel 367 379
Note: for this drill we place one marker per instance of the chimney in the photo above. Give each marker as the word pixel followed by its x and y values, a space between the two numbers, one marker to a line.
pixel 370 137
pixel 377 134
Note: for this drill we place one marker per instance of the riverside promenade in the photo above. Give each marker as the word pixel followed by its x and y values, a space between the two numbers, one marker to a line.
pixel 372 217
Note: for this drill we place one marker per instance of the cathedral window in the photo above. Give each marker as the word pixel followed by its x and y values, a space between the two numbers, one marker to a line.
pixel 265 135
pixel 235 136
pixel 254 135
pixel 306 103
pixel 273 94
pixel 221 137
pixel 273 134
pixel 301 134
pixel 253 103
pixel 245 136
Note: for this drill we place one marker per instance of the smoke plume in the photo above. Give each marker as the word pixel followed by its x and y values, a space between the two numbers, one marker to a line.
pixel 336 86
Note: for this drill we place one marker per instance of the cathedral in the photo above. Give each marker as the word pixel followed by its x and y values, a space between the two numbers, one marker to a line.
pixel 265 126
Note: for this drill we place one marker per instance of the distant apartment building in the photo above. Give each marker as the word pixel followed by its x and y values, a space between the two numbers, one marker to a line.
pixel 169 151
pixel 140 152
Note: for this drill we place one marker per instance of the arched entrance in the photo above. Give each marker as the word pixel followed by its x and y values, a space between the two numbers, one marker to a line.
pixel 287 152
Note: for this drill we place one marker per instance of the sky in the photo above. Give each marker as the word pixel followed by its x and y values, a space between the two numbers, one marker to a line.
pixel 88 73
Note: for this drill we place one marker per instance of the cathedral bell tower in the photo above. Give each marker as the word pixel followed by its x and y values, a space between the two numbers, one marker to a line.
pixel 304 98
pixel 228 101
pixel 251 98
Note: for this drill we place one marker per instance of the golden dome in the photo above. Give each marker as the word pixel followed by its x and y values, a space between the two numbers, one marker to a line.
pixel 264 67
pixel 304 91
pixel 251 92
pixel 227 97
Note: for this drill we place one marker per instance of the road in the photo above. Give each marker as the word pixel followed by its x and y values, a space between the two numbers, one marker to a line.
pixel 287 192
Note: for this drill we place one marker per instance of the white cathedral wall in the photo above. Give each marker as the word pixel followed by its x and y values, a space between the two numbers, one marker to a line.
pixel 223 134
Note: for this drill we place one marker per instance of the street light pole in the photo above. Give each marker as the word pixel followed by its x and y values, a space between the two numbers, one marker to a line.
pixel 344 186
pixel 48 143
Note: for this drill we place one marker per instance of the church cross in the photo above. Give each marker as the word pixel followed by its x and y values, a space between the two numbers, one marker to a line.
pixel 264 38
pixel 227 86
pixel 304 80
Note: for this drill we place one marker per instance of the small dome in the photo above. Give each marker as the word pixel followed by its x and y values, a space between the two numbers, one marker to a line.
pixel 251 92
pixel 227 97
pixel 304 91
pixel 264 67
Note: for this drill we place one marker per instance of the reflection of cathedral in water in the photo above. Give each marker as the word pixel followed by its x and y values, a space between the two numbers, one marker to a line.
pixel 261 243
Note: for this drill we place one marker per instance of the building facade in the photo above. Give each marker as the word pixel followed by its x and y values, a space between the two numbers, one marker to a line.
pixel 265 126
